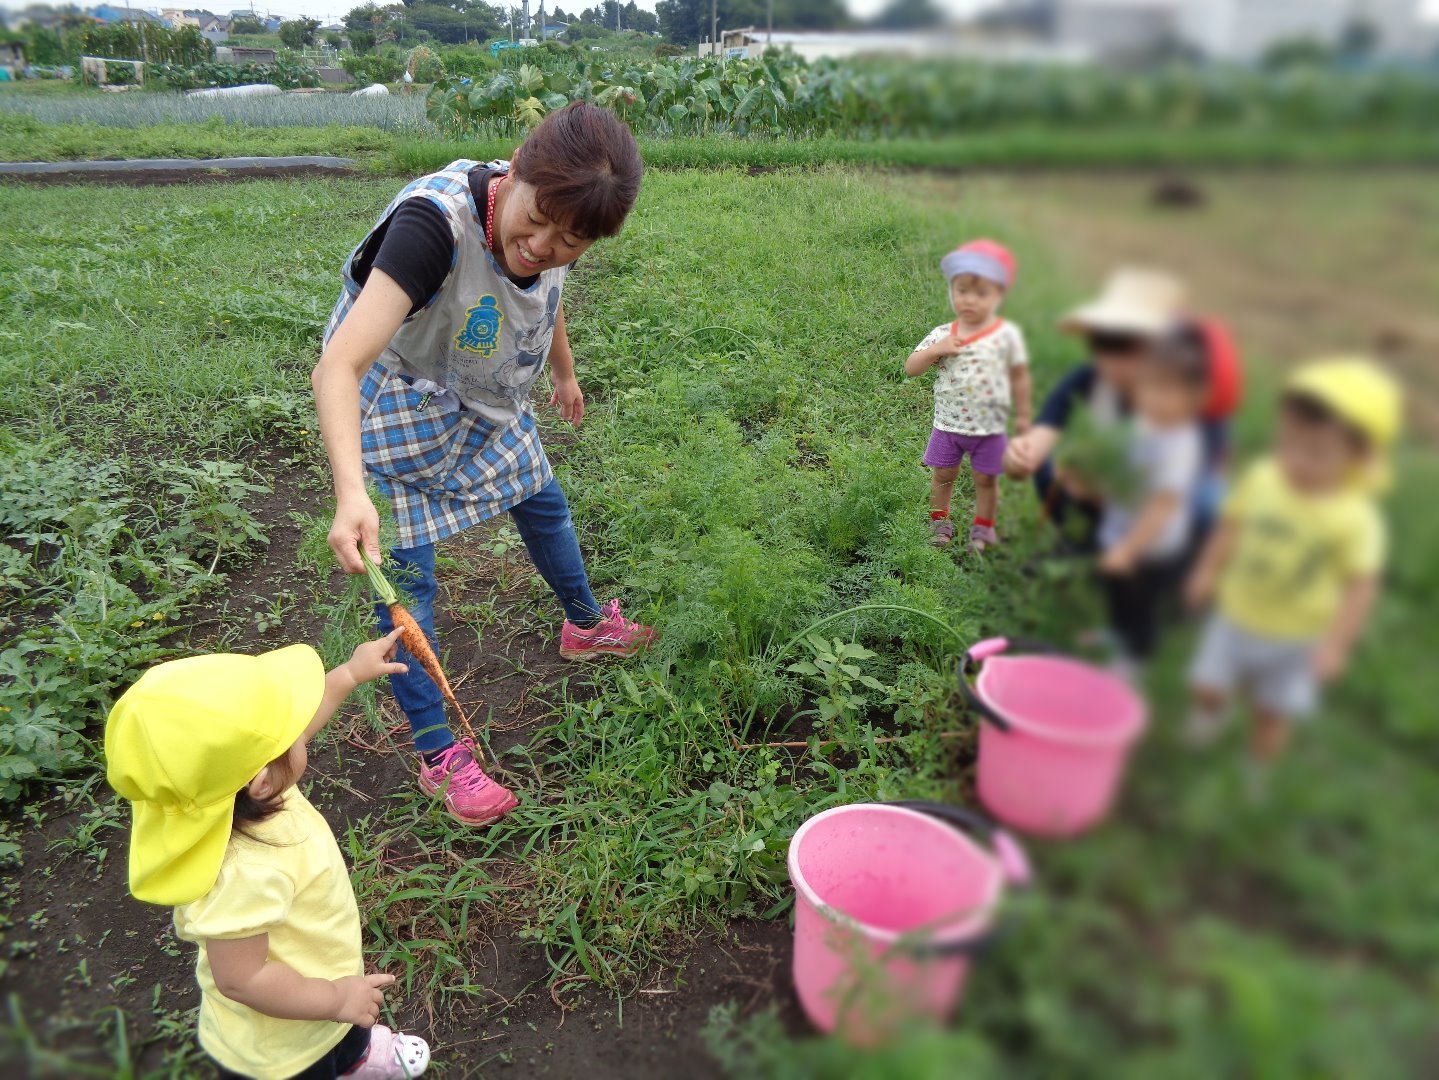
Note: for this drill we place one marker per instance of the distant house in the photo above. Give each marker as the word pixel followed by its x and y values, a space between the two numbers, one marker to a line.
pixel 215 28
pixel 553 30
pixel 272 24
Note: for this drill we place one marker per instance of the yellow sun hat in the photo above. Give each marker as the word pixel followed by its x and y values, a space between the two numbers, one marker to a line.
pixel 184 740
pixel 1358 391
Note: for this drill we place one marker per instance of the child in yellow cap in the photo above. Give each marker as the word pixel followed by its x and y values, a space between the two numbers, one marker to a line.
pixel 208 751
pixel 1296 557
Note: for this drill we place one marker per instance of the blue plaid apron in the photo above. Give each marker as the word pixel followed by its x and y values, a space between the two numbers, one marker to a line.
pixel 443 471
pixel 448 462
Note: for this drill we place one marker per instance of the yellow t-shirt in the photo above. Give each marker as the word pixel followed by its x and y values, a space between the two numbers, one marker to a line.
pixel 293 886
pixel 1294 553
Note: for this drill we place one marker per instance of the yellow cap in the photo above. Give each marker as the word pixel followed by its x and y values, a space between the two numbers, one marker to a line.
pixel 184 740
pixel 1358 391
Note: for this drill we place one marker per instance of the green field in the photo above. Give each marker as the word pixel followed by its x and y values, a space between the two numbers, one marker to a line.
pixel 748 468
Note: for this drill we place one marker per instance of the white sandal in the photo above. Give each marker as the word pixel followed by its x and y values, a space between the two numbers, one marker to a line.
pixel 392 1056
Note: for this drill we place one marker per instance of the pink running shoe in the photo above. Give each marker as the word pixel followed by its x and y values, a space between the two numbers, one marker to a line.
pixel 470 796
pixel 392 1056
pixel 613 635
pixel 981 537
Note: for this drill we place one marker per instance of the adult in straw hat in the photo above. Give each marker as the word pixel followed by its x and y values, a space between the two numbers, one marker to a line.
pixel 1137 307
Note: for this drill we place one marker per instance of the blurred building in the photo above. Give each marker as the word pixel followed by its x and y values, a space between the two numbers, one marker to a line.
pixel 1244 29
pixel 957 43
pixel 1116 28
pixel 1234 30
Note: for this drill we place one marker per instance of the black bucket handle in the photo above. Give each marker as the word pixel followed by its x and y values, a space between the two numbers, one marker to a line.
pixel 983 650
pixel 1012 859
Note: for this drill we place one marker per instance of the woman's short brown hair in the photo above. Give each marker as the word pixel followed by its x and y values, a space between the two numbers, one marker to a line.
pixel 585 168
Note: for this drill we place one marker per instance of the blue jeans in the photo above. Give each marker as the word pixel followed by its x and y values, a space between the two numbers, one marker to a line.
pixel 548 532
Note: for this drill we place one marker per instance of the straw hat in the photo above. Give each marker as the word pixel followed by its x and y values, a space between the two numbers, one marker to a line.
pixel 1136 300
pixel 184 739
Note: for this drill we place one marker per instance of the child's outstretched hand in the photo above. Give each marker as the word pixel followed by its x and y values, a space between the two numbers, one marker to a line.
pixel 1199 590
pixel 375 658
pixel 1330 660
pixel 1118 561
pixel 361 995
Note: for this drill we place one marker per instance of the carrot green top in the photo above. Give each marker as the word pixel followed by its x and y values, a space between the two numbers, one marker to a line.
pixel 381 584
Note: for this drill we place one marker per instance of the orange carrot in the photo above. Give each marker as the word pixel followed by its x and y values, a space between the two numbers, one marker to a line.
pixel 415 642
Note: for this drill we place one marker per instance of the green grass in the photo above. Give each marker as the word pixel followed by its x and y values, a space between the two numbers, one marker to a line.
pixel 394 137
pixel 749 466
pixel 29 140
pixel 1017 147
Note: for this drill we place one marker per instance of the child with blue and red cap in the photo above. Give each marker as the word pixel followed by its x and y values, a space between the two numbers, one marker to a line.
pixel 983 369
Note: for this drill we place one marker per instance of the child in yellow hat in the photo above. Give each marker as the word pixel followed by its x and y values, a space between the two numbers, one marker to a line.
pixel 208 751
pixel 1296 557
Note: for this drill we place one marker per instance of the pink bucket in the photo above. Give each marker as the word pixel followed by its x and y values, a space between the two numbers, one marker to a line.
pixel 891 903
pixel 1057 740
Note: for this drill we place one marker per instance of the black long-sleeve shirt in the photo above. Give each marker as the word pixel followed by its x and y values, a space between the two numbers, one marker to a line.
pixel 414 246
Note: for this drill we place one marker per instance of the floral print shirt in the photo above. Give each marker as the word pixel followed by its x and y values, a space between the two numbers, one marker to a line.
pixel 971 388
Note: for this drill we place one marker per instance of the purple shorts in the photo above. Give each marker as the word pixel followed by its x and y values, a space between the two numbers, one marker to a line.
pixel 986 452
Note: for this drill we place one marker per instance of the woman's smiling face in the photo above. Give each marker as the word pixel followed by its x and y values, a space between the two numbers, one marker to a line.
pixel 530 242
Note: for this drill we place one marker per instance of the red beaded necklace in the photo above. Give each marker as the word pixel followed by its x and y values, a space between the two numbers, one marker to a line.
pixel 490 212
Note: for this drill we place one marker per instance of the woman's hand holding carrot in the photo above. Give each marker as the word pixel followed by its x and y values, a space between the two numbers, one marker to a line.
pixel 356 527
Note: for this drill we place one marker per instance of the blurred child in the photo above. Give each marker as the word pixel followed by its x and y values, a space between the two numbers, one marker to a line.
pixel 1143 536
pixel 983 368
pixel 1296 556
pixel 208 751
pixel 1121 328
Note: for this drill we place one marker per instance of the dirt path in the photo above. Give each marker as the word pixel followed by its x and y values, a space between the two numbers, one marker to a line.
pixel 146 172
